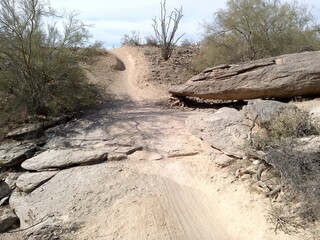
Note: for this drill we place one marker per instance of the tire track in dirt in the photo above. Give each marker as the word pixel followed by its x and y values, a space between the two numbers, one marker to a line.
pixel 171 190
pixel 162 208
pixel 133 81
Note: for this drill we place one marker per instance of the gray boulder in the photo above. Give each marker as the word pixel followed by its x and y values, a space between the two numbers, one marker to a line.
pixel 4 189
pixel 225 130
pixel 11 178
pixel 309 144
pixel 315 112
pixel 27 182
pixel 277 77
pixel 26 132
pixel 15 153
pixel 263 112
pixel 7 218
pixel 31 131
pixel 68 194
pixel 63 158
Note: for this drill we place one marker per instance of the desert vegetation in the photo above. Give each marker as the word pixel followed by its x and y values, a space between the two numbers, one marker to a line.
pixel 253 29
pixel 41 75
pixel 165 28
pixel 132 39
pixel 39 62
pixel 285 146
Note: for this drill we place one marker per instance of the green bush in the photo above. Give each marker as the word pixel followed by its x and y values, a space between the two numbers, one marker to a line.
pixel 39 64
pixel 253 29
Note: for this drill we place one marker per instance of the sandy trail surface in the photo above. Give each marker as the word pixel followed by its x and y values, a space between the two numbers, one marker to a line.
pixel 171 189
pixel 167 188
pixel 153 194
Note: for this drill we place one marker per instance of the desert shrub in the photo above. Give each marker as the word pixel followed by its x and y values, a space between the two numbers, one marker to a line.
pixel 165 29
pixel 187 42
pixel 89 53
pixel 131 40
pixel 287 127
pixel 39 64
pixel 300 174
pixel 151 41
pixel 282 220
pixel 298 165
pixel 253 29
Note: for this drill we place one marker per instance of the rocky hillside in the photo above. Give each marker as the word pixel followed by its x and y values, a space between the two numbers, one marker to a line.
pixel 176 70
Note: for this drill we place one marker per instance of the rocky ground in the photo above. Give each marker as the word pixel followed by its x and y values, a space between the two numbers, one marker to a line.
pixel 175 71
pixel 135 169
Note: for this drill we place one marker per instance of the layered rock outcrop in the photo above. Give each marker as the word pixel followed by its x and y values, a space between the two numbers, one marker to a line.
pixel 277 77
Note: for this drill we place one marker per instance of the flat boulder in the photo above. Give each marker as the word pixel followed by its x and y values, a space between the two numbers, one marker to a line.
pixel 31 131
pixel 285 76
pixel 64 158
pixel 225 130
pixel 27 182
pixel 26 132
pixel 15 153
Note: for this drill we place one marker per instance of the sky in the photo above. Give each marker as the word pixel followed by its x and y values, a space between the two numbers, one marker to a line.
pixel 111 19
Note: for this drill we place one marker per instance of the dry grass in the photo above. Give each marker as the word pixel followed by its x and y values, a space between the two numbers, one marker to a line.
pixel 299 170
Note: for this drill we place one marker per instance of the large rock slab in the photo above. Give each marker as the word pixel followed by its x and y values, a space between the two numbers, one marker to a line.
pixel 225 130
pixel 63 158
pixel 71 194
pixel 7 218
pixel 277 77
pixel 35 130
pixel 15 153
pixel 27 182
pixel 26 132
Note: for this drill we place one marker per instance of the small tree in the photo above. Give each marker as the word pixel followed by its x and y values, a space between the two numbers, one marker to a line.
pixel 131 40
pixel 253 29
pixel 151 41
pixel 163 31
pixel 39 67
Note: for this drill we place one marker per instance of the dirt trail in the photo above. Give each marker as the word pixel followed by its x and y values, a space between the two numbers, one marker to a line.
pixel 162 202
pixel 169 189
pixel 132 81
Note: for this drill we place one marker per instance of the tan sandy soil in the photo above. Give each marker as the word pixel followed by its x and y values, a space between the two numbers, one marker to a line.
pixel 172 189
pixel 184 195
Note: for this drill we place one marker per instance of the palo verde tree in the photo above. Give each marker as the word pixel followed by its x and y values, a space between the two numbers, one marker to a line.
pixel 165 29
pixel 39 67
pixel 253 29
